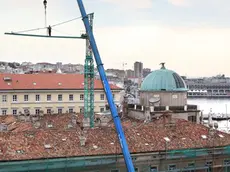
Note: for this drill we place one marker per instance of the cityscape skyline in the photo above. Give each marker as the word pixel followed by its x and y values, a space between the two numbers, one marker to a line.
pixel 130 72
pixel 184 33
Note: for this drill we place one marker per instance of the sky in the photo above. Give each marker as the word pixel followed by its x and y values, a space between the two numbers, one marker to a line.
pixel 190 36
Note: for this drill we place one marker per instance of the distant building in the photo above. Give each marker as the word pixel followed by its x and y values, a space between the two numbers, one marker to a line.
pixel 209 87
pixel 129 73
pixel 59 65
pixel 138 69
pixel 146 71
pixel 49 93
pixel 43 66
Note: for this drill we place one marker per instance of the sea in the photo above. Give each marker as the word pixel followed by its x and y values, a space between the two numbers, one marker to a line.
pixel 217 106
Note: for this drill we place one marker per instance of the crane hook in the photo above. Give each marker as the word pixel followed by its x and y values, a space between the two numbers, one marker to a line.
pixel 45 3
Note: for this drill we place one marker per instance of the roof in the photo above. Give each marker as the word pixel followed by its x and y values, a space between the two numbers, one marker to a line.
pixel 26 142
pixel 163 80
pixel 46 81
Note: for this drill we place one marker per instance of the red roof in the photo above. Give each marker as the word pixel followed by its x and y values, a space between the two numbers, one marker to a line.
pixel 141 137
pixel 46 81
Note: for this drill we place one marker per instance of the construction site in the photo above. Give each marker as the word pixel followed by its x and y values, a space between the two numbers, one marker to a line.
pixel 61 143
pixel 160 133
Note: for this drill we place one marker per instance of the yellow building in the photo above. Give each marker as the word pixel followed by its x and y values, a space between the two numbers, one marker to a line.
pixel 50 93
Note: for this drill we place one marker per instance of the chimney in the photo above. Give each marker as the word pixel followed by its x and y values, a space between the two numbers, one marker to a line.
pixel 86 122
pixel 82 140
pixel 201 117
pixel 210 119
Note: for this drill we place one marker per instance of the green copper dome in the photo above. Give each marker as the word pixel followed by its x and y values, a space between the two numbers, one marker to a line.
pixel 163 80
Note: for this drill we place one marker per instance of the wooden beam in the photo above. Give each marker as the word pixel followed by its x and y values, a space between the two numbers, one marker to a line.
pixel 45 36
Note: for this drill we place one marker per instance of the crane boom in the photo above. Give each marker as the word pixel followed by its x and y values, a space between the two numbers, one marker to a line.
pixel 116 119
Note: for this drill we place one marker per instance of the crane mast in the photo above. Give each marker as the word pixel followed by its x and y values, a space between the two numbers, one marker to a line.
pixel 116 119
pixel 89 79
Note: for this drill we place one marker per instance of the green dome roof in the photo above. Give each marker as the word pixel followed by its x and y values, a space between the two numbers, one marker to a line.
pixel 163 80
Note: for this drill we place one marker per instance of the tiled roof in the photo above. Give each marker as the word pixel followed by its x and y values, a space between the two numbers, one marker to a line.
pixel 46 81
pixel 26 142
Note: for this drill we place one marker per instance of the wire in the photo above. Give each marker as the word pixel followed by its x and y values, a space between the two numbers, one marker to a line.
pixel 30 30
pixel 51 25
pixel 66 21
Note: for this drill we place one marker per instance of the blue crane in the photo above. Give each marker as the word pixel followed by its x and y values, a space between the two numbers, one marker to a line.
pixel 116 119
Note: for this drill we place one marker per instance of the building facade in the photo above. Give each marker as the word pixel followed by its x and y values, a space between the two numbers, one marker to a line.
pixel 138 69
pixel 48 93
pixel 212 87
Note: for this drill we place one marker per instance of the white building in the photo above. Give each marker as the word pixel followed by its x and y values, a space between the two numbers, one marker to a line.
pixel 50 93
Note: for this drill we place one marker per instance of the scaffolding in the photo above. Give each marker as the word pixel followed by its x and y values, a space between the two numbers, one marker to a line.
pixel 108 162
pixel 89 79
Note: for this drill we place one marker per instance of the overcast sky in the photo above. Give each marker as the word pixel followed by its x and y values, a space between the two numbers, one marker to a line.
pixel 191 36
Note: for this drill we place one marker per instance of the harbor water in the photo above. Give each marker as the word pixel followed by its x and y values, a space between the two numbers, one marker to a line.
pixel 218 106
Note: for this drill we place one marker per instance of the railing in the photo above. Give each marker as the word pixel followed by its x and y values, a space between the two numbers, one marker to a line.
pixel 164 108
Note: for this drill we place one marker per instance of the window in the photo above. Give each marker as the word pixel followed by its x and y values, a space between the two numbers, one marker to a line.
pixel 113 96
pixel 81 96
pixel 70 110
pixel 172 167
pixel 4 111
pixel 15 98
pixel 102 97
pixel 71 97
pixel 14 111
pixel 102 109
pixel 26 98
pixel 48 97
pixel 114 170
pixel 37 111
pixel 153 169
pixel 191 166
pixel 134 158
pixel 81 110
pixel 226 162
pixel 226 165
pixel 179 81
pixel 4 98
pixel 59 110
pixel 59 97
pixel 209 164
pixel 174 96
pixel 37 98
pixel 136 169
pixel 48 111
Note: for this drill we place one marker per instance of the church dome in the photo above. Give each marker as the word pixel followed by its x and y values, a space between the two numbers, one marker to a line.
pixel 163 80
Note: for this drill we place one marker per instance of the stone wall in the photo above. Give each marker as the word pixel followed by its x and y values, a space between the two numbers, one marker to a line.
pixel 166 98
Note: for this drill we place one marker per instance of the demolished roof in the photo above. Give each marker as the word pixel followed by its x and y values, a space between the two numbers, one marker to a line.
pixel 59 136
